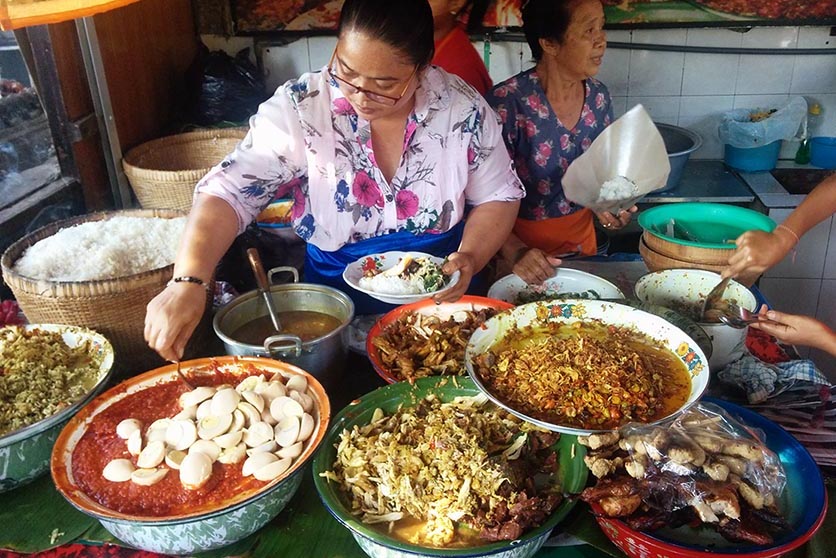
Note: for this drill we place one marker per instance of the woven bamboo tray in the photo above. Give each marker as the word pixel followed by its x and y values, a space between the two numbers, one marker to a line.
pixel 113 307
pixel 695 254
pixel 164 172
pixel 657 262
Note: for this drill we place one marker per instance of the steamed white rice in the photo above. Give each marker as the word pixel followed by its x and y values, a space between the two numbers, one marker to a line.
pixel 617 189
pixel 97 250
pixel 387 284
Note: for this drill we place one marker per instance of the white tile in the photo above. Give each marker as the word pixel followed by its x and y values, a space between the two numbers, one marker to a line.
pixel 714 37
pixel 661 109
pixel 655 73
pixel 771 37
pixel 710 74
pixel 759 101
pixel 799 296
pixel 815 73
pixel 320 50
pixel 283 62
pixel 619 35
pixel 764 74
pixel 615 71
pixel 705 104
pixel 830 263
pixel 527 59
pixel 505 60
pixel 826 313
pixel 807 260
pixel 706 126
pixel 815 37
pixel 660 36
pixel 230 45
pixel 789 148
pixel 619 106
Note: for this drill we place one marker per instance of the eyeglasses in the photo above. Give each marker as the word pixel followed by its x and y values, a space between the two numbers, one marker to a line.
pixel 371 95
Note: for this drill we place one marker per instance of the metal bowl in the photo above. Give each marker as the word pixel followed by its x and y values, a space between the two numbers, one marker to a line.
pixel 679 143
pixel 24 453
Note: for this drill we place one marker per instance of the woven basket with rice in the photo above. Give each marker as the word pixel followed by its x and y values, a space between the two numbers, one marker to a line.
pixel 113 307
pixel 164 172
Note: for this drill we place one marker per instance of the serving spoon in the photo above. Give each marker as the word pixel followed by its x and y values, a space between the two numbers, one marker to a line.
pixel 264 286
pixel 739 317
pixel 713 298
pixel 183 376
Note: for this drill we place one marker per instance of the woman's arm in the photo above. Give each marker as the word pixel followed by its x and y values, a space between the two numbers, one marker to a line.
pixel 757 251
pixel 173 315
pixel 532 265
pixel 486 228
pixel 798 330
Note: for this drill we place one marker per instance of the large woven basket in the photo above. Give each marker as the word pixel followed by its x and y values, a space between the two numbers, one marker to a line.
pixel 113 307
pixel 164 172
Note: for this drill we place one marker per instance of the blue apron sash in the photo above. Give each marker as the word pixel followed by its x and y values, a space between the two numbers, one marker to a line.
pixel 326 268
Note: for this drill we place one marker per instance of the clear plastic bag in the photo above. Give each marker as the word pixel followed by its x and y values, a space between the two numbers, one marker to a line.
pixel 703 459
pixel 738 130
pixel 630 148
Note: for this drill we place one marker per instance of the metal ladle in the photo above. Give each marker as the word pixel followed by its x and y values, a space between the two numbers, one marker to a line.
pixel 263 286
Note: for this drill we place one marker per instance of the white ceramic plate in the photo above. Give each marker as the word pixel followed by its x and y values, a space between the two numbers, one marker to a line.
pixel 354 272
pixel 566 283
pixel 574 310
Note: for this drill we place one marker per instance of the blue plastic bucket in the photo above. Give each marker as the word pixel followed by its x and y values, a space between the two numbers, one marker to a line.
pixel 753 159
pixel 823 152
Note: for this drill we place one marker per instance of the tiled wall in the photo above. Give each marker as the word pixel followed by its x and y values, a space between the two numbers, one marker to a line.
pixel 686 89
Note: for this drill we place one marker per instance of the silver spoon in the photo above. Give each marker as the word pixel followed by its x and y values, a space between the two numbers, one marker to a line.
pixel 739 317
pixel 183 377
pixel 715 296
pixel 263 286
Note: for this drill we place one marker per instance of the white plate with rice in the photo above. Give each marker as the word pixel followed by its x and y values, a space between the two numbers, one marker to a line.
pixel 399 277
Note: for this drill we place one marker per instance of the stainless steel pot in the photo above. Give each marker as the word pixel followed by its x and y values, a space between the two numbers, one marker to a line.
pixel 324 357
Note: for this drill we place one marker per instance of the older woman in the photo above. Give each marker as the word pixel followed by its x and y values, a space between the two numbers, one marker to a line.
pixel 379 150
pixel 550 115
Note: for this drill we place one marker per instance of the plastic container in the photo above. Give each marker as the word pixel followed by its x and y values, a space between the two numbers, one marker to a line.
pixel 753 159
pixel 823 152
pixel 679 143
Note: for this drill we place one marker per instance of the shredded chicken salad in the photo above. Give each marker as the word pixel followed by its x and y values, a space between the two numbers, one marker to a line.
pixel 459 465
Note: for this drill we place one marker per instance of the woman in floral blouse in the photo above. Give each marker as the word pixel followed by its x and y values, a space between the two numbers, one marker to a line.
pixel 550 116
pixel 379 150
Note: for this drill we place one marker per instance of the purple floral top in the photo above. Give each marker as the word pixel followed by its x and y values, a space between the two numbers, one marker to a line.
pixel 541 146
pixel 306 142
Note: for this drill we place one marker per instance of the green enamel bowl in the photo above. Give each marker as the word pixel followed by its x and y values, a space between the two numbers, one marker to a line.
pixel 703 225
pixel 25 453
pixel 572 471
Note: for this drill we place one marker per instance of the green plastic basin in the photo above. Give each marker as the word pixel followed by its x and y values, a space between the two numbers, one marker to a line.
pixel 704 225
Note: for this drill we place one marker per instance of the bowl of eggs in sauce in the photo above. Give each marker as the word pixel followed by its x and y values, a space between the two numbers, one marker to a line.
pixel 176 469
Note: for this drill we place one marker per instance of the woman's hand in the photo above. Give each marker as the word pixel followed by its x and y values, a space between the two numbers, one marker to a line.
pixel 171 318
pixel 615 222
pixel 465 264
pixel 797 330
pixel 757 251
pixel 535 266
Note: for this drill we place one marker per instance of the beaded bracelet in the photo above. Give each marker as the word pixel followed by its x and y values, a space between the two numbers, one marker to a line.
pixel 188 279
pixel 789 230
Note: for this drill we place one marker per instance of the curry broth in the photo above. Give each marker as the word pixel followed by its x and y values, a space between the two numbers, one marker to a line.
pixel 305 324
pixel 675 381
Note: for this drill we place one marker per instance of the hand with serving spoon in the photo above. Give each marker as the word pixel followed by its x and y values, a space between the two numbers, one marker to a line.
pixel 795 329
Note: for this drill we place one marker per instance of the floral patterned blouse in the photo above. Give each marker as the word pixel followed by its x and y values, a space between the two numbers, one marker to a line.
pixel 541 146
pixel 307 142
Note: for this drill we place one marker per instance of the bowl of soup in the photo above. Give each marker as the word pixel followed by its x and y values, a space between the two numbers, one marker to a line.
pixel 406 469
pixel 581 366
pixel 314 320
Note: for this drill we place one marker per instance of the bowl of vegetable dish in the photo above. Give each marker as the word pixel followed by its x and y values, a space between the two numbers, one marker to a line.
pixel 175 469
pixel 580 366
pixel 48 373
pixel 434 469
pixel 427 339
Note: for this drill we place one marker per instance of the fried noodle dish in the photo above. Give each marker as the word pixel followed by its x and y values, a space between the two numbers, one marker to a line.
pixel 417 345
pixel 584 374
pixel 453 474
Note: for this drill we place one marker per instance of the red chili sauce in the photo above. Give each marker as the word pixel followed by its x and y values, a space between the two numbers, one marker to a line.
pixel 100 444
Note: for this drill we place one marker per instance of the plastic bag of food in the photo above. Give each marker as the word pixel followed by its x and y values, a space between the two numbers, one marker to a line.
pixel 625 162
pixel 757 127
pixel 703 460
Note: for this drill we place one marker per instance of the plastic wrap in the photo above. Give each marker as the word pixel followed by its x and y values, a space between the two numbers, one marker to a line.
pixel 703 459
pixel 630 148
pixel 738 130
